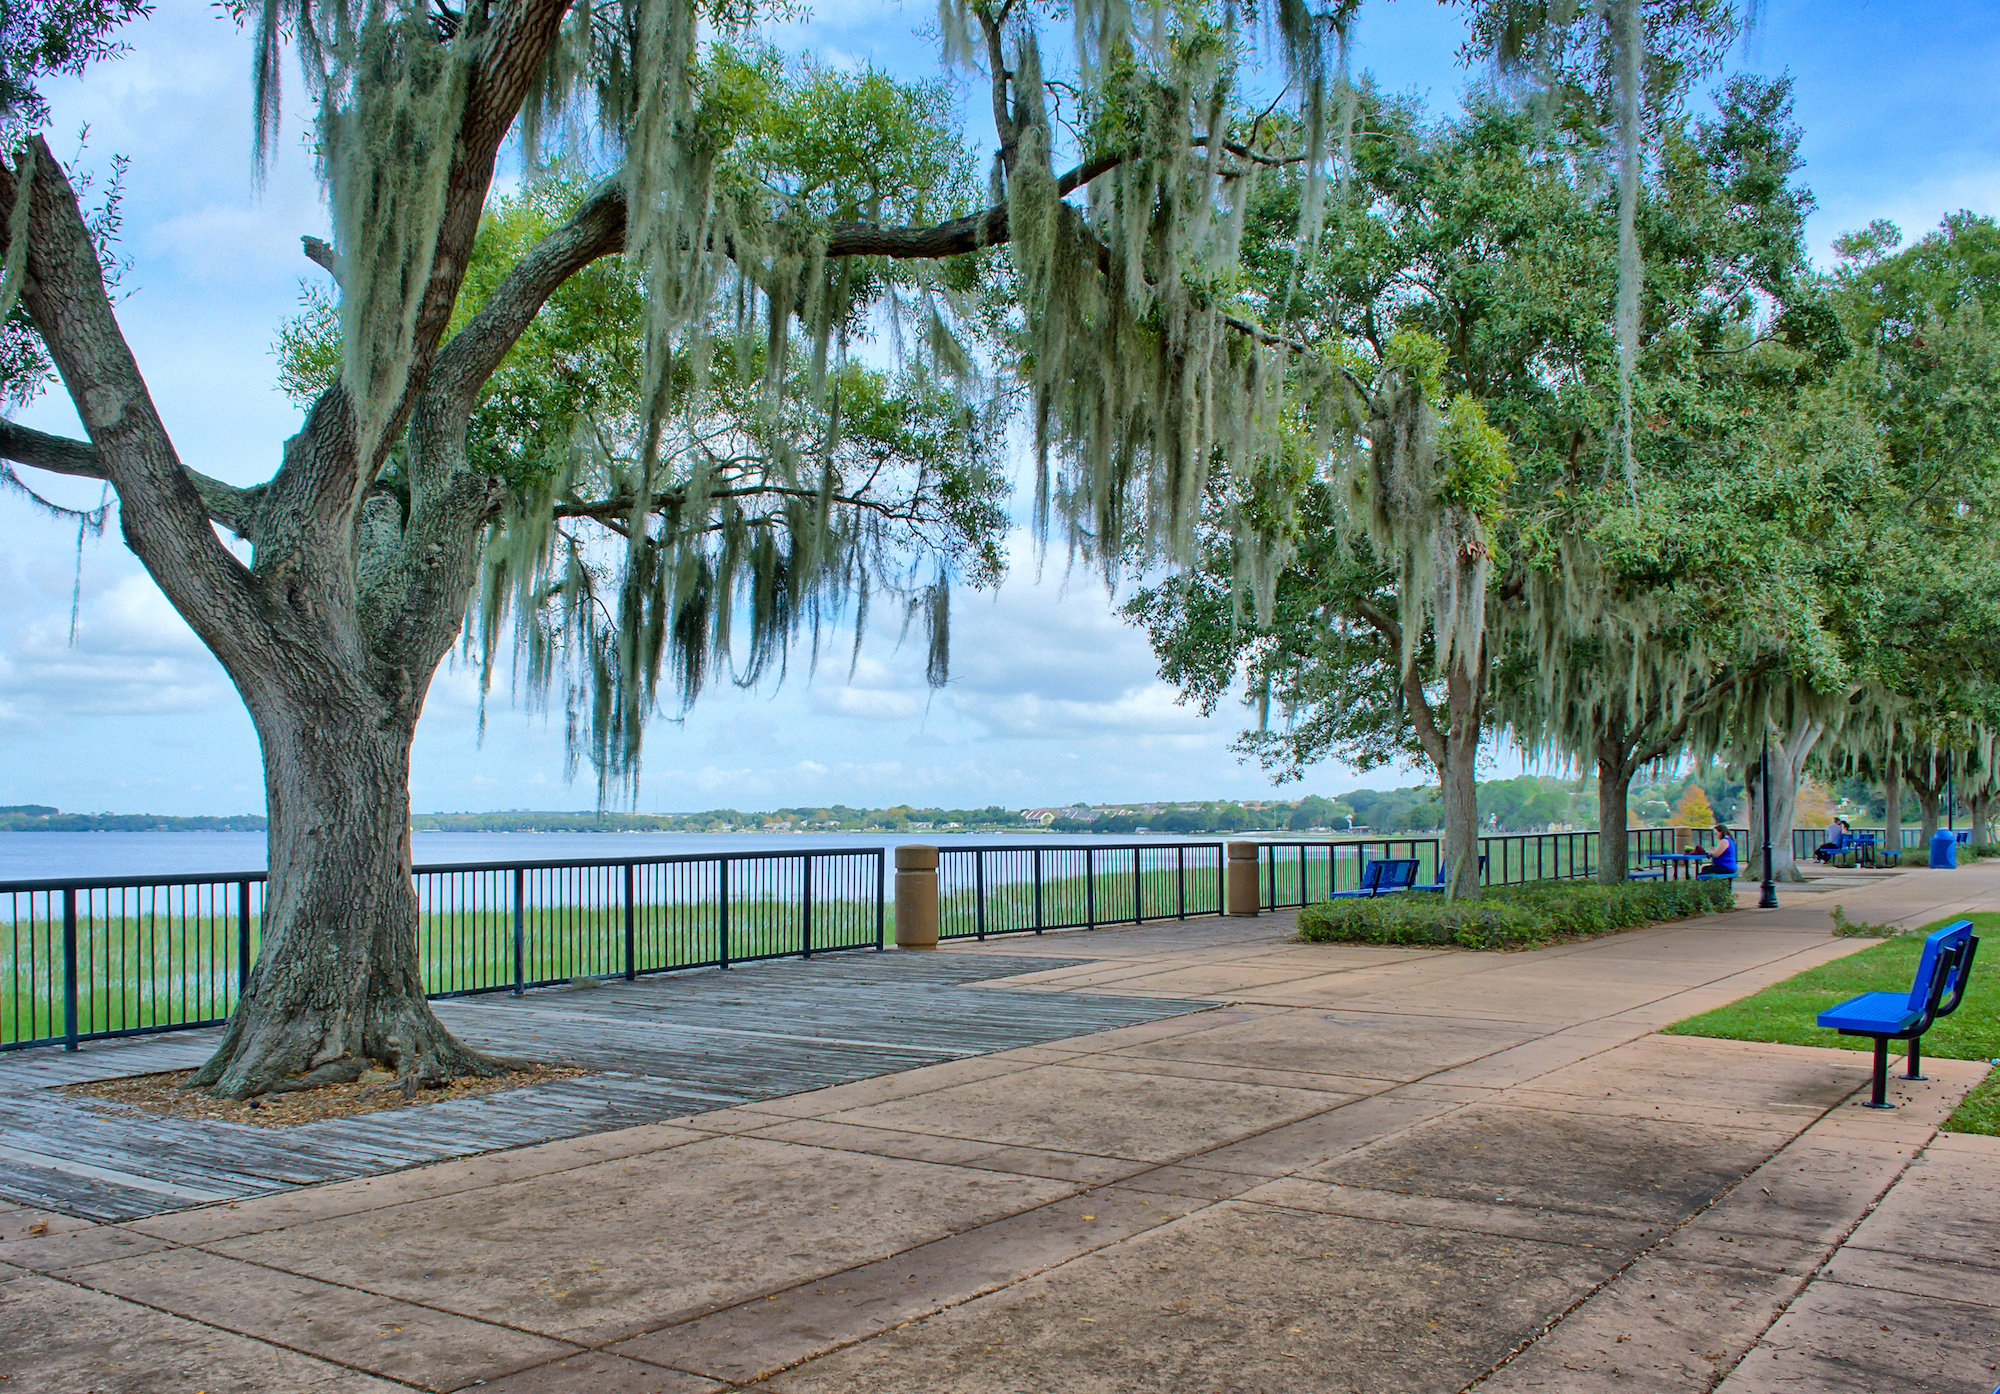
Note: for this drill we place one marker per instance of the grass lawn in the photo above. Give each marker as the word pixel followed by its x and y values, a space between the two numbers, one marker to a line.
pixel 1784 1012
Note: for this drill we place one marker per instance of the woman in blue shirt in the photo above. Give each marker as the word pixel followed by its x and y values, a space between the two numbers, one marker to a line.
pixel 1722 861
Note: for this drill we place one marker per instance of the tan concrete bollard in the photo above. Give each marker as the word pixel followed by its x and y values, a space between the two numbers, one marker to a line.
pixel 916 897
pixel 1242 880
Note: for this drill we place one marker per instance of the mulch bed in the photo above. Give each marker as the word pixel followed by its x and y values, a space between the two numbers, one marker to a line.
pixel 165 1094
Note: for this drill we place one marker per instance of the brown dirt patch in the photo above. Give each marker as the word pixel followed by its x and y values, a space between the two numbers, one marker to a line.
pixel 165 1094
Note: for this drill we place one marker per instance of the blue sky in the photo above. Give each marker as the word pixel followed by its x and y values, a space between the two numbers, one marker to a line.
pixel 1053 698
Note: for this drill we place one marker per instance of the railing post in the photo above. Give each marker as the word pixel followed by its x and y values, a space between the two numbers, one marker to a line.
pixel 1180 879
pixel 979 893
pixel 1138 890
pixel 69 968
pixel 631 925
pixel 1240 879
pixel 881 896
pixel 1302 876
pixel 1039 921
pixel 722 914
pixel 242 937
pixel 1089 888
pixel 520 931
pixel 806 913
pixel 917 904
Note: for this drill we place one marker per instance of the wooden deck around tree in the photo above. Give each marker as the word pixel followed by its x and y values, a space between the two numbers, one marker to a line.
pixel 663 1047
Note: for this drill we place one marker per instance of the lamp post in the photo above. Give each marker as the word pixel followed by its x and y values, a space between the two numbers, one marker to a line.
pixel 1767 898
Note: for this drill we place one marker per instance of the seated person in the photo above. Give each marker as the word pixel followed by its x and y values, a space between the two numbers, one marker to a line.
pixel 1836 841
pixel 1722 861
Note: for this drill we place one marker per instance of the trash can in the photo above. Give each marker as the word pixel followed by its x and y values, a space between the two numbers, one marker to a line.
pixel 1944 848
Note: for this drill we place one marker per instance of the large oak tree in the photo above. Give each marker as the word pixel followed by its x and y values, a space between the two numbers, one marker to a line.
pixel 1111 185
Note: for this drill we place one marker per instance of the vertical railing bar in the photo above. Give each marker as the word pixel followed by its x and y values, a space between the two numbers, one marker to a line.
pixel 69 968
pixel 631 922
pixel 520 930
pixel 1039 917
pixel 722 918
pixel 1090 888
pixel 242 937
pixel 806 913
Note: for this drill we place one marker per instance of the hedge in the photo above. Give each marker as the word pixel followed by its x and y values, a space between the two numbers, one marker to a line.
pixel 1512 917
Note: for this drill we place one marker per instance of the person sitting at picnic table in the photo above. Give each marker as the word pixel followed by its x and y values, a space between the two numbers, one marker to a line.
pixel 1836 841
pixel 1722 861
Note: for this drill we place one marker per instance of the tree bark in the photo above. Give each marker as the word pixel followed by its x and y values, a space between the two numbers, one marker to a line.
pixel 1459 780
pixel 1789 752
pixel 1614 786
pixel 1892 807
pixel 337 986
pixel 1927 781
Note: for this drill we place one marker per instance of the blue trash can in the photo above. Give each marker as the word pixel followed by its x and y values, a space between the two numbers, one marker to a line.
pixel 1944 848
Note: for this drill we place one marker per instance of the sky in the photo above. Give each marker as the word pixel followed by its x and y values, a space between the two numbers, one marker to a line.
pixel 109 703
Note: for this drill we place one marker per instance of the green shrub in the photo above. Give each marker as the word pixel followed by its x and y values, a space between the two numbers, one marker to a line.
pixel 1845 928
pixel 1512 917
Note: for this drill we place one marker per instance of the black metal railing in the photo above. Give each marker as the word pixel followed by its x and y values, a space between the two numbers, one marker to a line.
pixel 89 959
pixel 1030 888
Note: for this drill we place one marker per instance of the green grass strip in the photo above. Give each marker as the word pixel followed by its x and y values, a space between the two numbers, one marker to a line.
pixel 1784 1012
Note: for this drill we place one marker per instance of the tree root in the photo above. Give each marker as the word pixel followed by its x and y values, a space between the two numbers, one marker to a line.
pixel 267 1052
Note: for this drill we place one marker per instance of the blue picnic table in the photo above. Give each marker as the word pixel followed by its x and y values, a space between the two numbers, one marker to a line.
pixel 1678 865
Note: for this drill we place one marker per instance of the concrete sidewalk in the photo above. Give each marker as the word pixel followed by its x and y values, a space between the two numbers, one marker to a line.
pixel 1370 1170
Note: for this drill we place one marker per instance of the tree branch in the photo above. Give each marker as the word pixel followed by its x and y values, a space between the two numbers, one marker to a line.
pixel 162 513
pixel 320 252
pixel 228 505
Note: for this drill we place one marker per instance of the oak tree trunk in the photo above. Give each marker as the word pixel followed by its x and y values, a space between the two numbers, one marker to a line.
pixel 1788 755
pixel 1459 784
pixel 1614 786
pixel 1892 807
pixel 337 986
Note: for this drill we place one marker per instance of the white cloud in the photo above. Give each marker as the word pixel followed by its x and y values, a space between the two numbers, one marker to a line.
pixel 869 704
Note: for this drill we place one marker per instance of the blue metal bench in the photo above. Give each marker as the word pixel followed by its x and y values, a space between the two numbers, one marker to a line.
pixel 1899 1016
pixel 1383 876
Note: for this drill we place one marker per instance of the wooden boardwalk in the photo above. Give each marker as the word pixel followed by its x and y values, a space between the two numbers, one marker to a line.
pixel 664 1047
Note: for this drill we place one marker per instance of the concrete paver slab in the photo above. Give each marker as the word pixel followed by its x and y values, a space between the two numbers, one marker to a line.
pixel 1659 1327
pixel 1946 1210
pixel 626 1246
pixel 1367 1045
pixel 398 1340
pixel 1067 1108
pixel 1619 1167
pixel 1238 1298
pixel 1544 1224
pixel 69 1250
pixel 598 1372
pixel 1958 1282
pixel 1836 1339
pixel 760 1337
pixel 56 1338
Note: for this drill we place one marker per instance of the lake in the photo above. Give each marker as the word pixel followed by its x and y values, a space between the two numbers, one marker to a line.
pixel 37 856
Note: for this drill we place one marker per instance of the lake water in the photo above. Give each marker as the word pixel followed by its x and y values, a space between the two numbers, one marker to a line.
pixel 36 856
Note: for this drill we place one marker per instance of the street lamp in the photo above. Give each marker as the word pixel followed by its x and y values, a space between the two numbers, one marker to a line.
pixel 1767 899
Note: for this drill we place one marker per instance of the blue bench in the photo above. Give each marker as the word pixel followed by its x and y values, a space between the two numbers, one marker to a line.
pixel 1383 876
pixel 1900 1016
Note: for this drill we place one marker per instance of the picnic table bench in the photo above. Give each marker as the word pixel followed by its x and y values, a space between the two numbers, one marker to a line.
pixel 1898 1016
